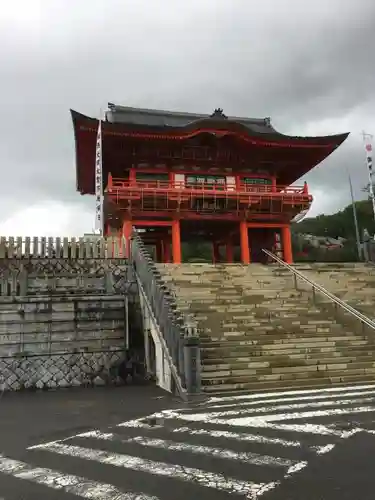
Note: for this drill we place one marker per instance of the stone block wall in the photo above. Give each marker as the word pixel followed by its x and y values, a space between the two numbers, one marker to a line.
pixel 59 370
pixel 48 342
pixel 63 312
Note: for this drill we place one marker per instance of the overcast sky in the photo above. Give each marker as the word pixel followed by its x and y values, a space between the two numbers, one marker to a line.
pixel 308 65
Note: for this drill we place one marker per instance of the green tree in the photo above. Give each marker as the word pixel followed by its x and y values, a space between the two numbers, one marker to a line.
pixel 340 224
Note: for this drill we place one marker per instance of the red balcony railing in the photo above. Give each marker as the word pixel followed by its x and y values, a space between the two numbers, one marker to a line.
pixel 164 197
pixel 120 186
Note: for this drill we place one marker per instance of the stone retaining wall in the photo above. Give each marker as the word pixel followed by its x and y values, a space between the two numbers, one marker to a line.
pixel 48 342
pixel 63 311
pixel 59 371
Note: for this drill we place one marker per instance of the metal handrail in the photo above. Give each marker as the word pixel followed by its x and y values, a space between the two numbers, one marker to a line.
pixel 351 310
pixel 175 333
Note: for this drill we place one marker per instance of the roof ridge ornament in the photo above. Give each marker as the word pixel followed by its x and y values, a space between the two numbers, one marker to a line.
pixel 218 113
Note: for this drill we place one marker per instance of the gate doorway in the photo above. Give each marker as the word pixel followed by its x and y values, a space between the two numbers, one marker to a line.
pixel 260 238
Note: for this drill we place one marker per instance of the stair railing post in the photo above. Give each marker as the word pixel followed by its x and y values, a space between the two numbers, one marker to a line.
pixel 336 310
pixel 295 282
pixel 192 365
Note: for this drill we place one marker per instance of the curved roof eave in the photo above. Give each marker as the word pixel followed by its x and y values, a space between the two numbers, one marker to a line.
pixel 206 124
pixel 318 148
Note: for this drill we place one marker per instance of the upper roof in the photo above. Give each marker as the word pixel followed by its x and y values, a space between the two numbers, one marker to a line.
pixel 175 119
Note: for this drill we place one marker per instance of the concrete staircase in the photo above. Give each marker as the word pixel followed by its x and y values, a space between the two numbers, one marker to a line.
pixel 259 333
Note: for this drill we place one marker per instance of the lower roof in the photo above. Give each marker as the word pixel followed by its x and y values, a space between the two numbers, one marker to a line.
pixel 130 125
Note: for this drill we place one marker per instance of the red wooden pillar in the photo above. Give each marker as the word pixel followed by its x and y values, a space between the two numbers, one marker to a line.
pixel 132 177
pixel 287 244
pixel 127 229
pixel 229 251
pixel 176 242
pixel 244 242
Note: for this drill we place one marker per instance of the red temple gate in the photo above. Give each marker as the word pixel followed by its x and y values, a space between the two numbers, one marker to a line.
pixel 181 176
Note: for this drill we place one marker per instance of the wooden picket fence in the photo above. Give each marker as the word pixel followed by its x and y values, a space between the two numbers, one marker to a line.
pixel 88 247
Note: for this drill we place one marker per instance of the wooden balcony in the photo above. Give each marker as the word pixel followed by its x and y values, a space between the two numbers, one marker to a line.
pixel 163 199
pixel 120 186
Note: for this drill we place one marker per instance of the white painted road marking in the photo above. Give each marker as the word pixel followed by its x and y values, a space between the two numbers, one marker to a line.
pixel 329 390
pixel 68 483
pixel 267 409
pixel 252 402
pixel 265 419
pixel 246 457
pixel 236 436
pixel 221 482
pixel 268 413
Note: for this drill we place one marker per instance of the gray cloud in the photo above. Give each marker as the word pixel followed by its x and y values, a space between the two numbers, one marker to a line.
pixel 296 62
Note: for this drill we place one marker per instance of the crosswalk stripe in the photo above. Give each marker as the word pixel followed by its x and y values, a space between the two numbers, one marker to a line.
pixel 213 480
pixel 68 483
pixel 236 436
pixel 268 409
pixel 280 400
pixel 322 450
pixel 262 421
pixel 331 390
pixel 265 420
pixel 247 457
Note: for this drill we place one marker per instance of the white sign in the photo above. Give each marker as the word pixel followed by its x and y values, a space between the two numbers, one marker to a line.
pixel 99 182
pixel 368 146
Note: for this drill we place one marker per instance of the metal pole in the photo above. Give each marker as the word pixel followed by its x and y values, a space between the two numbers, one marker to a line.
pixel 127 322
pixel 357 237
pixel 355 218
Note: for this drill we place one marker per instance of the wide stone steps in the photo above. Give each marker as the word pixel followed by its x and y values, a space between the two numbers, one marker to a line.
pixel 281 385
pixel 284 373
pixel 292 358
pixel 258 332
pixel 270 362
pixel 278 378
pixel 284 345
pixel 269 340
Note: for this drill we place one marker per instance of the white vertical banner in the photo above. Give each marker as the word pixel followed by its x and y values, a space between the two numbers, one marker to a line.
pixel 369 160
pixel 99 181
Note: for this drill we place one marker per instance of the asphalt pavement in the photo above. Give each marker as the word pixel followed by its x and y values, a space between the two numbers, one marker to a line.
pixel 138 443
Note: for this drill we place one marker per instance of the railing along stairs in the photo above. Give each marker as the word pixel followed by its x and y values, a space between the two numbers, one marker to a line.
pixel 315 287
pixel 178 336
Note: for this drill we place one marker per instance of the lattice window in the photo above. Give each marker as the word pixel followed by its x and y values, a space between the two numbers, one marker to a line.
pixel 256 180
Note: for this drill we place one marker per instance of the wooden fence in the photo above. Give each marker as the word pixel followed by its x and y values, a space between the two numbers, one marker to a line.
pixel 92 247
